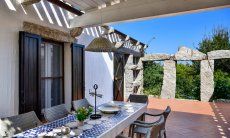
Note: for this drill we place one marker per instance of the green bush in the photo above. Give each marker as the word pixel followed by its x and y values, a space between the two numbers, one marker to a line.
pixel 153 78
pixel 222 85
pixel 187 82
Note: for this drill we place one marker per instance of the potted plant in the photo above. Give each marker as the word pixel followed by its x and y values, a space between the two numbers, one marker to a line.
pixel 82 114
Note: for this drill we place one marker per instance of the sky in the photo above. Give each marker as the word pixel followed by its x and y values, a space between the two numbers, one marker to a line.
pixel 173 32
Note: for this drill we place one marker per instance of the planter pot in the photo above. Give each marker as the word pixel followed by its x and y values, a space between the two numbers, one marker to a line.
pixel 80 123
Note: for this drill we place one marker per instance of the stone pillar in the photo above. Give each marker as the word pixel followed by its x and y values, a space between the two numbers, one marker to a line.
pixel 128 77
pixel 169 81
pixel 206 79
pixel 140 76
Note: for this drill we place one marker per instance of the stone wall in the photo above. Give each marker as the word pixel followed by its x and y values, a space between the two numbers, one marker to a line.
pixel 187 54
pixel 139 78
pixel 133 83
pixel 128 77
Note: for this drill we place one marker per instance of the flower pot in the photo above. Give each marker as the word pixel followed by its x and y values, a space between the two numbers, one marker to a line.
pixel 80 123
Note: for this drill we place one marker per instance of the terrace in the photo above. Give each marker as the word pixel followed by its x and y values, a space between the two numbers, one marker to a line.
pixel 53 52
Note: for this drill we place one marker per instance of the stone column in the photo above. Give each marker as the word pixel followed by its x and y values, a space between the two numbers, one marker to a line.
pixel 169 81
pixel 206 79
pixel 128 77
pixel 140 76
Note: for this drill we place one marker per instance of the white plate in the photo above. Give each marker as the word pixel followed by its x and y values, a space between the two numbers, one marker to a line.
pixel 109 109
pixel 128 105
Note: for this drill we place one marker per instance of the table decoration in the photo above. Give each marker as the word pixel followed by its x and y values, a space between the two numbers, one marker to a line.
pixel 95 94
pixel 82 114
pixel 65 130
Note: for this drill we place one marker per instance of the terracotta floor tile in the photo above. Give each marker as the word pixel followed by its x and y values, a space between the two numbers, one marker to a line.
pixel 193 119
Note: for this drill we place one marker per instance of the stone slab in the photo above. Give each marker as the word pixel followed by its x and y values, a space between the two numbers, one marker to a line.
pixel 185 53
pixel 152 57
pixel 219 54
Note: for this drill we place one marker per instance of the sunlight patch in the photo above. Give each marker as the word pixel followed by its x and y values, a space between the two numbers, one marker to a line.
pixel 63 16
pixel 55 14
pixel 23 9
pixel 87 31
pixel 47 13
pixel 10 5
pixel 37 11
pixel 91 29
pixel 97 34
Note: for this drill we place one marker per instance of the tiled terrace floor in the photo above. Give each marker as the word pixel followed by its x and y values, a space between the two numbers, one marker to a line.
pixel 194 119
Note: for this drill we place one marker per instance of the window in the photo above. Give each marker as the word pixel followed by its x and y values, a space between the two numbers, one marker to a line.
pixel 51 61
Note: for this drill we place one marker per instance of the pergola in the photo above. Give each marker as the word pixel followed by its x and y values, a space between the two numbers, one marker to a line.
pixel 98 14
pixel 104 12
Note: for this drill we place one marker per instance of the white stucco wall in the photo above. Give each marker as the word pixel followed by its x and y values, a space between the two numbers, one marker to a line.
pixel 98 66
pixel 10 24
pixel 98 70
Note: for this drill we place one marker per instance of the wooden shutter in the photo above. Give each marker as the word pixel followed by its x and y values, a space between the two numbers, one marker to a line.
pixel 78 72
pixel 119 63
pixel 29 72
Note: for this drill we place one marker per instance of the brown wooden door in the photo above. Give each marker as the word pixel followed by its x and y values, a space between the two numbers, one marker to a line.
pixel 29 72
pixel 78 72
pixel 119 63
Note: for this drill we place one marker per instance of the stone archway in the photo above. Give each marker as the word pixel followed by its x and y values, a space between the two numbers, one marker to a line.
pixel 169 79
pixel 187 54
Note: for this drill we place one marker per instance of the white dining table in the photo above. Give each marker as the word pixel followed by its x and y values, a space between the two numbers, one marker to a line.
pixel 107 128
pixel 134 111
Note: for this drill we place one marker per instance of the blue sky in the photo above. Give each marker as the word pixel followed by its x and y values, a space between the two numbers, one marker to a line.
pixel 175 31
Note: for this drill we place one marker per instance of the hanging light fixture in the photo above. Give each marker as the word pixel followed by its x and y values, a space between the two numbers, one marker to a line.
pixel 101 44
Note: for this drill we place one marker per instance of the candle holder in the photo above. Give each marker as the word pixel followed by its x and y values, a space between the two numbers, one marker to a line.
pixel 95 94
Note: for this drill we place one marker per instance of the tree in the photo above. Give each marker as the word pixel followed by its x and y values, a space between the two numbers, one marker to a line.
pixel 153 78
pixel 187 82
pixel 219 40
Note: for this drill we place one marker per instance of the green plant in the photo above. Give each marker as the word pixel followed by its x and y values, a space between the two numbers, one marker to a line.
pixel 153 78
pixel 187 81
pixel 83 113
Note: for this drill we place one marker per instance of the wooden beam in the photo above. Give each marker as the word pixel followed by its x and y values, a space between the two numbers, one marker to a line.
pixel 143 9
pixel 75 32
pixel 29 2
pixel 125 50
pixel 119 44
pixel 109 30
pixel 66 7
pixel 128 37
